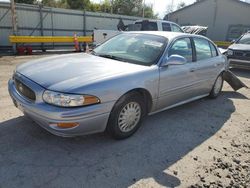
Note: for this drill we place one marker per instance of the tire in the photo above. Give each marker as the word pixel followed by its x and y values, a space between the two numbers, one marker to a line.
pixel 129 110
pixel 217 87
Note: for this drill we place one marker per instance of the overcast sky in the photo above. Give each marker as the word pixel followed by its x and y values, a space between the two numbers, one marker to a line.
pixel 160 6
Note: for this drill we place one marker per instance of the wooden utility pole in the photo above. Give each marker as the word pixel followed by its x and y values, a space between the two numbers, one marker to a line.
pixel 143 9
pixel 14 22
pixel 14 17
pixel 111 11
pixel 172 6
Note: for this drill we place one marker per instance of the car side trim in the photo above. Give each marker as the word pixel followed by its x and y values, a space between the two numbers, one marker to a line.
pixel 178 104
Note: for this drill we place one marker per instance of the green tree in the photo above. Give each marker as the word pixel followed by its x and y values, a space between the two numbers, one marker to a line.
pixel 26 1
pixel 149 13
pixel 133 8
pixel 127 7
pixel 78 4
pixel 55 3
pixel 94 7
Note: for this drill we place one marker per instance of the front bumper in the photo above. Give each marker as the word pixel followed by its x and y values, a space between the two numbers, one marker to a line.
pixel 91 119
pixel 237 63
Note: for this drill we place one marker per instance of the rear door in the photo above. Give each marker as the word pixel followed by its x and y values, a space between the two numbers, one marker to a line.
pixel 208 65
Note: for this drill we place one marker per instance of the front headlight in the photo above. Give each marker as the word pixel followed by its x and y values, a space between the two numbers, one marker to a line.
pixel 230 52
pixel 69 100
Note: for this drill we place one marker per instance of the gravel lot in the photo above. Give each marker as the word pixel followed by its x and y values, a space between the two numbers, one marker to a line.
pixel 205 143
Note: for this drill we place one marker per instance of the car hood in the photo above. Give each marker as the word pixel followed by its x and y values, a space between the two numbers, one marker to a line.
pixel 66 72
pixel 243 47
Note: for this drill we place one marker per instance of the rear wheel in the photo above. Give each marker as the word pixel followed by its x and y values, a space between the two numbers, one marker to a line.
pixel 216 90
pixel 126 116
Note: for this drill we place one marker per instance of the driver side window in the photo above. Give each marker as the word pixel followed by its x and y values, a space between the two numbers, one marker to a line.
pixel 183 48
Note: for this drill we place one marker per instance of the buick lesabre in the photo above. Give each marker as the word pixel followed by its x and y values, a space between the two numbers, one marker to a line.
pixel 123 80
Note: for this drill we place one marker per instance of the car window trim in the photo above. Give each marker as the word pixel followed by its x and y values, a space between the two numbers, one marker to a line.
pixel 193 50
pixel 209 48
pixel 210 44
pixel 183 37
pixel 172 24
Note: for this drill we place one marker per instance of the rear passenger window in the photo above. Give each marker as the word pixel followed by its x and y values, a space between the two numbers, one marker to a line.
pixel 213 50
pixel 203 50
pixel 182 47
pixel 166 27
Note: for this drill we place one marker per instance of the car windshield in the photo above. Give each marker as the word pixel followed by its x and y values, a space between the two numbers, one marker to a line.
pixel 136 48
pixel 244 40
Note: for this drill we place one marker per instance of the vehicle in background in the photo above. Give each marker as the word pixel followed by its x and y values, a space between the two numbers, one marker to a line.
pixel 195 29
pixel 158 25
pixel 124 79
pixel 101 36
pixel 238 53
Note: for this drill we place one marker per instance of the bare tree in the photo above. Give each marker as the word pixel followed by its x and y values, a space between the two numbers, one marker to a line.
pixel 181 5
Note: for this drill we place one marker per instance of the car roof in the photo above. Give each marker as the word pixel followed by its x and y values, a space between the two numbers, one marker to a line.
pixel 166 34
pixel 152 20
pixel 247 33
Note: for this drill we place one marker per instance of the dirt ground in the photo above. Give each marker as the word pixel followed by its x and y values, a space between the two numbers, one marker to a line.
pixel 205 143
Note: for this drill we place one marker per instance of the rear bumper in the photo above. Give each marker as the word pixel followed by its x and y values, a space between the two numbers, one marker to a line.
pixel 91 119
pixel 245 64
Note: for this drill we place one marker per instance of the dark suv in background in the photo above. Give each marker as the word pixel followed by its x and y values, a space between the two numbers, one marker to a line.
pixel 239 52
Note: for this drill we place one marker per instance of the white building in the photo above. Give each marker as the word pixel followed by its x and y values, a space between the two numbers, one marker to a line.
pixel 226 19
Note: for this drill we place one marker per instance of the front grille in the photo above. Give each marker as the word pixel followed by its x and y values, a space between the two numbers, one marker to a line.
pixel 238 53
pixel 24 90
pixel 235 62
pixel 242 55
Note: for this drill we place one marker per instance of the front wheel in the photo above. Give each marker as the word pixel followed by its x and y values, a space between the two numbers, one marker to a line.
pixel 126 116
pixel 216 90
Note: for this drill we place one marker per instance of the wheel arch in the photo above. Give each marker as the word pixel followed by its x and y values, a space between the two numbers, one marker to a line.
pixel 147 97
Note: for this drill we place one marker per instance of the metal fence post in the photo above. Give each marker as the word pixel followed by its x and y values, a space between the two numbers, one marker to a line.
pixel 52 25
pixel 41 24
pixel 84 22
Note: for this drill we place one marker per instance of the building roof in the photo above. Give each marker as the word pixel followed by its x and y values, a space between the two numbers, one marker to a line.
pixel 200 1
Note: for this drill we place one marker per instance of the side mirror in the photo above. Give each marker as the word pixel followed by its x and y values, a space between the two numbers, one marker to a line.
pixel 233 41
pixel 174 60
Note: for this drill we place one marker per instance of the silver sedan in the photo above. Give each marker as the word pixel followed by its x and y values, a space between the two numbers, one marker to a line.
pixel 123 80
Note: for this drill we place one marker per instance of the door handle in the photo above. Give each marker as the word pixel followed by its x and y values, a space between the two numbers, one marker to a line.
pixel 192 69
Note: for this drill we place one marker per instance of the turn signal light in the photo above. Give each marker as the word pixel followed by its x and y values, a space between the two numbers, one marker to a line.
pixel 67 125
pixel 64 125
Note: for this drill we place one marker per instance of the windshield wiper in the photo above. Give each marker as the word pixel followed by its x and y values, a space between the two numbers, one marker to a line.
pixel 110 57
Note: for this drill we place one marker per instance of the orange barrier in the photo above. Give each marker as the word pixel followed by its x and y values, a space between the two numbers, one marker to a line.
pixel 76 43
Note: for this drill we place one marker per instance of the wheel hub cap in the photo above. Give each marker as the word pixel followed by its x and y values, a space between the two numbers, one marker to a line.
pixel 129 116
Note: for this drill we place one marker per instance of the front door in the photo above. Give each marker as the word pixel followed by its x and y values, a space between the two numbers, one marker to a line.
pixel 177 81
